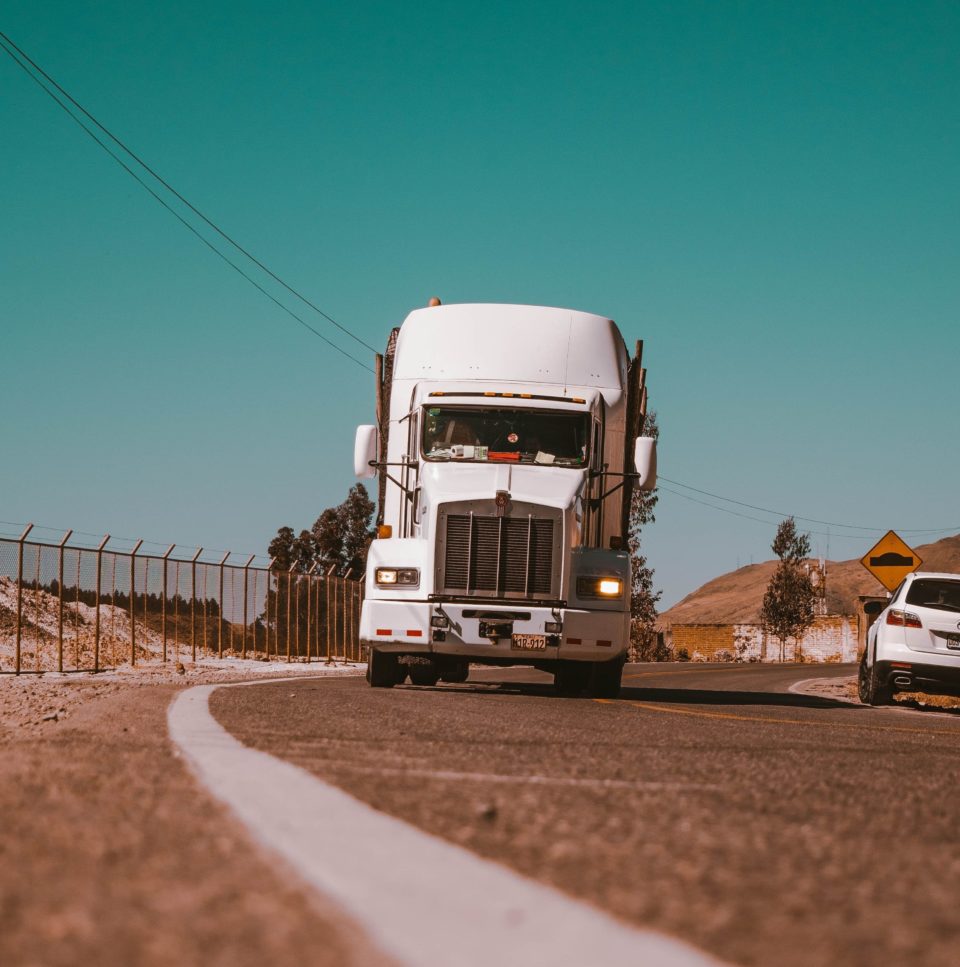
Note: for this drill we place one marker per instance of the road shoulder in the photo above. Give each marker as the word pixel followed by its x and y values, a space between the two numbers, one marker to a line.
pixel 113 855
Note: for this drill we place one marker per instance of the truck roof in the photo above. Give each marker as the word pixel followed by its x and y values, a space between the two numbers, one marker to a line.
pixel 511 343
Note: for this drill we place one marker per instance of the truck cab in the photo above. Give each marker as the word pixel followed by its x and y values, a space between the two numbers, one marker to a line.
pixel 507 448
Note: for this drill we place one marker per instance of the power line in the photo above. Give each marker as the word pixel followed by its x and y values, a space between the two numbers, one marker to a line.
pixel 811 520
pixel 4 40
pixel 736 513
pixel 19 525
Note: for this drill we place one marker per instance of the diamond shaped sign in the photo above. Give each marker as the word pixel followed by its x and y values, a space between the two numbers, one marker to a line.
pixel 890 560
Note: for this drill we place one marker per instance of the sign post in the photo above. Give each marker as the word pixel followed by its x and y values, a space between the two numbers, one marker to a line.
pixel 890 560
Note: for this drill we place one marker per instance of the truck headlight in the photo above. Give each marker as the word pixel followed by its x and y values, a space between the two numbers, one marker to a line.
pixel 599 587
pixel 388 577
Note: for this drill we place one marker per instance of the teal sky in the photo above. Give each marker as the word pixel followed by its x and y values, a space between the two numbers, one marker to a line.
pixel 766 193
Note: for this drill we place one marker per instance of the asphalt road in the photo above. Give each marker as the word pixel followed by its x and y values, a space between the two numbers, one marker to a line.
pixel 708 801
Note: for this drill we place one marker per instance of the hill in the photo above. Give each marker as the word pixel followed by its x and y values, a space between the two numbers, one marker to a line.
pixel 737 596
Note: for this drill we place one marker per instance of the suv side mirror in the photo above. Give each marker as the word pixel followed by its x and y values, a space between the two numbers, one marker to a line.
pixel 874 607
pixel 645 462
pixel 365 452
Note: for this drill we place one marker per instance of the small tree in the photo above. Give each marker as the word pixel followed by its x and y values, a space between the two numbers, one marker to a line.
pixel 788 605
pixel 645 643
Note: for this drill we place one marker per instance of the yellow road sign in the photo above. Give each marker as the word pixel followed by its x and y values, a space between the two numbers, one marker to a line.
pixel 890 560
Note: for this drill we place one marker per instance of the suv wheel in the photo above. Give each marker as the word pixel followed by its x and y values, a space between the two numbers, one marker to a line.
pixel 870 690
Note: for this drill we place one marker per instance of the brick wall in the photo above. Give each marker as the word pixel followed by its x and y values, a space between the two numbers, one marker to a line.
pixel 830 638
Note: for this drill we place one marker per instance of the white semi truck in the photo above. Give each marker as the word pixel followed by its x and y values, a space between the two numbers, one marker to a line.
pixel 508 442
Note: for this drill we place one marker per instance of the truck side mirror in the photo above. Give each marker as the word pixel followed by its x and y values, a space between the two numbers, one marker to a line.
pixel 365 451
pixel 645 462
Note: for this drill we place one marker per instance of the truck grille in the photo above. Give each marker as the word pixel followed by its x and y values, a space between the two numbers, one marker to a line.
pixel 499 556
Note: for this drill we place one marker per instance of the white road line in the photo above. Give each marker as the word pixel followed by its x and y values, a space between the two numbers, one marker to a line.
pixel 421 899
pixel 444 775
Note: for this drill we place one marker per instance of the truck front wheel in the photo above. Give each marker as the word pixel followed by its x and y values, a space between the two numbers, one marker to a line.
pixel 571 678
pixel 606 678
pixel 383 670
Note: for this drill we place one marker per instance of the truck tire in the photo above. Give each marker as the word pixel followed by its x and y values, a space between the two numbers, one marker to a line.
pixel 424 672
pixel 571 678
pixel 455 672
pixel 606 678
pixel 383 670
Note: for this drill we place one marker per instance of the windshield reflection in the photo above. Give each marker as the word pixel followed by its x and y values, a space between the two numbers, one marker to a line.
pixel 498 434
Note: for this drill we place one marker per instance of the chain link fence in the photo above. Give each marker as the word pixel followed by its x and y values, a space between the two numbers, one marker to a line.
pixel 66 605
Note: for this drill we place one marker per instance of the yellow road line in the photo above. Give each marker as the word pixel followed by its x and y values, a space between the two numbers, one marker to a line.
pixel 648 707
pixel 685 671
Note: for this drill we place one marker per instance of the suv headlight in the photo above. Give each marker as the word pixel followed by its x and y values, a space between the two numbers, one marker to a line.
pixel 389 577
pixel 599 587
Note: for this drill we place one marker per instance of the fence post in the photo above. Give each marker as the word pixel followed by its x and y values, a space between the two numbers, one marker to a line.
pixel 316 614
pixel 246 577
pixel 193 604
pixel 223 561
pixel 289 580
pixel 60 547
pixel 21 539
pixel 361 591
pixel 133 588
pixel 267 607
pixel 348 615
pixel 310 571
pixel 326 582
pixel 96 614
pixel 163 604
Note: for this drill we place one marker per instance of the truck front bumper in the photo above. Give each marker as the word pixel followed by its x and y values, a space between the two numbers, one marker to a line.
pixel 405 627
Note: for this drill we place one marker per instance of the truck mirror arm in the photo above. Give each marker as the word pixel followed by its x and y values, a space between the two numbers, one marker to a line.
pixel 595 501
pixel 406 491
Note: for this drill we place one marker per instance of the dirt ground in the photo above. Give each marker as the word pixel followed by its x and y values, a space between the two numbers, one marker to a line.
pixel 110 854
pixel 846 690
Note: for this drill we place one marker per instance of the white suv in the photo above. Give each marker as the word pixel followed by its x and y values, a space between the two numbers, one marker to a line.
pixel 914 645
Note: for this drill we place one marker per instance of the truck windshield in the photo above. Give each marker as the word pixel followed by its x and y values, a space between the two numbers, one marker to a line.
pixel 497 434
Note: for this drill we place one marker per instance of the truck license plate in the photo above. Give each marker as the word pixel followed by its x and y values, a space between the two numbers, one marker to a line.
pixel 529 642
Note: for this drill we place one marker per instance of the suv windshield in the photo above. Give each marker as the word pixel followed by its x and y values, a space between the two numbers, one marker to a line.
pixel 550 437
pixel 943 595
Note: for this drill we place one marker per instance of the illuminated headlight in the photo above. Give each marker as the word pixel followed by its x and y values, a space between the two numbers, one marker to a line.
pixel 388 577
pixel 599 587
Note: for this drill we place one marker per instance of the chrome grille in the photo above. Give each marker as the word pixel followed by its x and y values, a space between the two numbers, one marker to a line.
pixel 499 556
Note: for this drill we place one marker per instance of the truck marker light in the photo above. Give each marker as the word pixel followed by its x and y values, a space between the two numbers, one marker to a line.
pixel 414 633
pixel 384 531
pixel 574 641
pixel 489 394
pixel 901 664
pixel 604 644
pixel 384 631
